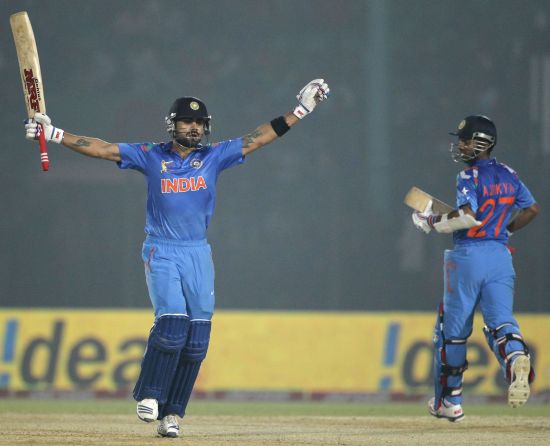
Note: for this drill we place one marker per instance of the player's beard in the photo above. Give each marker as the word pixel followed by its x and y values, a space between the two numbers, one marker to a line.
pixel 191 140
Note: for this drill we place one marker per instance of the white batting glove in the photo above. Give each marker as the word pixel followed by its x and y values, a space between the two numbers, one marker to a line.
pixel 424 220
pixel 43 123
pixel 313 93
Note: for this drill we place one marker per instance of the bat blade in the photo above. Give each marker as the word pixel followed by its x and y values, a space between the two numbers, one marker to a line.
pixel 31 76
pixel 417 199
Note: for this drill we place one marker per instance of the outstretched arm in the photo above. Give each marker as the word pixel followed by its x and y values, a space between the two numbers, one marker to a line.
pixel 94 147
pixel 265 134
pixel 314 92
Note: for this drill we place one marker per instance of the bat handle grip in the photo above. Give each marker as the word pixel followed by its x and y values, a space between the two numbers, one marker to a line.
pixel 43 151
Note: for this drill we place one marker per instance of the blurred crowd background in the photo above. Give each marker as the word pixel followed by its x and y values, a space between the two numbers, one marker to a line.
pixel 313 222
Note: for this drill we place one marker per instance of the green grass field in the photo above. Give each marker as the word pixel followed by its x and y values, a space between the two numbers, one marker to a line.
pixel 254 408
pixel 113 422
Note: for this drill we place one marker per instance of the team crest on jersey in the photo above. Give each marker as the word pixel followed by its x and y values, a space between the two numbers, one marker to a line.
pixel 164 166
pixel 196 163
pixel 194 105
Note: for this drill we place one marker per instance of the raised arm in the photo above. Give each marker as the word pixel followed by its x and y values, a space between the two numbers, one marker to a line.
pixel 314 92
pixel 94 147
pixel 265 134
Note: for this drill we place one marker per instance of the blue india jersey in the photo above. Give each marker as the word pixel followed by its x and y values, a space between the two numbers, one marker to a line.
pixel 181 192
pixel 492 190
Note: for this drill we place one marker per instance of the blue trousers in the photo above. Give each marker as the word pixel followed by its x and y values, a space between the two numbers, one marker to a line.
pixel 480 275
pixel 180 277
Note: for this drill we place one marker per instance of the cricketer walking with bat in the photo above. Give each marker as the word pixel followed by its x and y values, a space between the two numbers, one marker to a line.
pixel 181 180
pixel 479 270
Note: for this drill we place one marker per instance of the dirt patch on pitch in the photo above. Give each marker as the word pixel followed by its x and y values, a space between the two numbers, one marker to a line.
pixel 110 430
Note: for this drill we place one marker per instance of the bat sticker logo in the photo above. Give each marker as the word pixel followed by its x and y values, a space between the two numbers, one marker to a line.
pixel 34 93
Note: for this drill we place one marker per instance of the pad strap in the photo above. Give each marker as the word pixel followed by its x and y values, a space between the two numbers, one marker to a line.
pixel 446 387
pixel 168 337
pixel 499 347
pixel 187 369
pixel 454 371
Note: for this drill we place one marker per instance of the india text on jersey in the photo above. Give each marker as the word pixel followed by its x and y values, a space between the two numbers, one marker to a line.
pixel 175 185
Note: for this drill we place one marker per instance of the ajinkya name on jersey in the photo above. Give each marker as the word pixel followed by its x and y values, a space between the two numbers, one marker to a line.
pixel 498 189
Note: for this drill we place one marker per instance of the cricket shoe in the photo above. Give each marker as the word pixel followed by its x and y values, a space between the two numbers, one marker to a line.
pixel 169 427
pixel 519 391
pixel 148 410
pixel 452 412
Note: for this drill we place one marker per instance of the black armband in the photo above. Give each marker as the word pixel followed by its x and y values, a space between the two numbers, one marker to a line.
pixel 280 126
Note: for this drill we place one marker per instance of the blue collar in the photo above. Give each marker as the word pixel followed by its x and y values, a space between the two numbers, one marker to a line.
pixel 166 146
pixel 487 162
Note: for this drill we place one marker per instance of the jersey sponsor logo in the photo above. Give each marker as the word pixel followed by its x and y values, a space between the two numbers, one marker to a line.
pixel 196 163
pixel 177 185
pixel 498 189
pixel 163 166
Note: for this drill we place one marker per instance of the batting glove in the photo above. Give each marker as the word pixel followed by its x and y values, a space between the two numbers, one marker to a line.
pixel 313 93
pixel 42 123
pixel 425 220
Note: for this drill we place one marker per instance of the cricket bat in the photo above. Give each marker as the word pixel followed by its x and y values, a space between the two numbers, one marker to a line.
pixel 418 200
pixel 31 77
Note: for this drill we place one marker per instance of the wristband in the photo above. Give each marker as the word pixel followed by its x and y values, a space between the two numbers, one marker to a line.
pixel 280 126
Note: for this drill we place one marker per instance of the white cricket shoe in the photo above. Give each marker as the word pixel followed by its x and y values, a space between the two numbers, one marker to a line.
pixel 518 392
pixel 147 410
pixel 169 427
pixel 452 412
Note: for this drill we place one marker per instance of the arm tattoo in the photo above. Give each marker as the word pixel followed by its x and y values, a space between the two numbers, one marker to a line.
pixel 82 143
pixel 251 138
